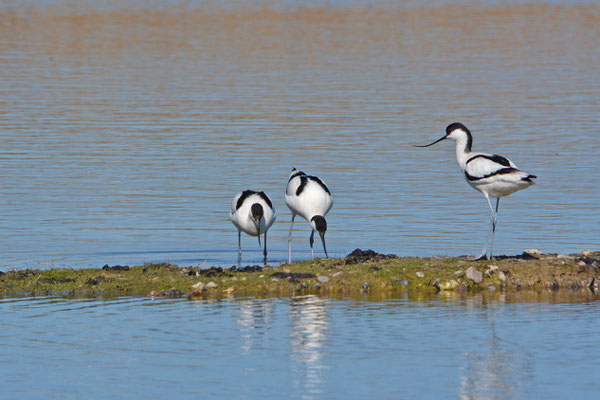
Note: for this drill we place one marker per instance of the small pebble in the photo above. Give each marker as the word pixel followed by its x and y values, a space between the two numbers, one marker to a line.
pixel 198 285
pixel 211 285
pixel 502 276
pixel 461 289
pixel 336 274
pixel 155 279
pixel 562 256
pixel 323 279
pixel 420 274
pixel 586 253
pixel 366 286
pixel 229 290
pixel 317 286
pixel 403 282
pixel 274 280
pixel 459 272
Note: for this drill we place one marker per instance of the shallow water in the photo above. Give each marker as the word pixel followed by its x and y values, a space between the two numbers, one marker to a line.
pixel 493 346
pixel 126 128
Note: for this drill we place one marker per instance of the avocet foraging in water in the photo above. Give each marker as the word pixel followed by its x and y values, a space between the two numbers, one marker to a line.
pixel 253 213
pixel 309 197
pixel 493 175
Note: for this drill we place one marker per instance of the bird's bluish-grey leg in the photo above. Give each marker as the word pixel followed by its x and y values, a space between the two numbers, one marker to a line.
pixel 494 221
pixel 312 240
pixel 483 254
pixel 265 251
pixel 239 248
pixel 290 240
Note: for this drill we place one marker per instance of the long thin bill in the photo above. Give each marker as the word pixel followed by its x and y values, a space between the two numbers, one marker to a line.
pixel 259 245
pixel 430 144
pixel 324 248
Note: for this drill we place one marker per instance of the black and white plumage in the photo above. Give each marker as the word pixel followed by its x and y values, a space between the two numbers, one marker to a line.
pixel 493 175
pixel 309 197
pixel 252 212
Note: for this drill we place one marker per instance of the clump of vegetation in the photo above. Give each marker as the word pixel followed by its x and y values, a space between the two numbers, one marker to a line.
pixel 364 272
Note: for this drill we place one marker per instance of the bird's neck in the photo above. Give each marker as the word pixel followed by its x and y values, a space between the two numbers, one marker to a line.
pixel 463 150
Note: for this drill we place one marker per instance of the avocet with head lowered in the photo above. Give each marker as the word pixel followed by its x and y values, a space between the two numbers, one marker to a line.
pixel 309 197
pixel 253 213
pixel 493 175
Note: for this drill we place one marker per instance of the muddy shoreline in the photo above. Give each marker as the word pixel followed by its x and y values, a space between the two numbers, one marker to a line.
pixel 364 272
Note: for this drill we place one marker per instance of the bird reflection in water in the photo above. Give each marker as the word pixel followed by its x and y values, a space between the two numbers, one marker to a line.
pixel 309 334
pixel 254 319
pixel 498 369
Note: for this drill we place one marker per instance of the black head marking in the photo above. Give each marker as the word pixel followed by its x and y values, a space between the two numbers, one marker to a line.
pixel 320 223
pixel 243 197
pixel 257 211
pixel 457 125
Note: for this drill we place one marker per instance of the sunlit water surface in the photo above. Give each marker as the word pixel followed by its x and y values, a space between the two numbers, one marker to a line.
pixel 126 128
pixel 487 346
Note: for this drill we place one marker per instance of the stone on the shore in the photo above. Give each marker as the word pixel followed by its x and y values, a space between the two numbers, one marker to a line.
pixel 366 286
pixel 448 285
pixel 403 282
pixel 198 286
pixel 339 273
pixel 211 285
pixel 459 272
pixel 317 286
pixel 474 275
pixel 586 253
pixel 323 279
pixel 533 252
pixel 420 274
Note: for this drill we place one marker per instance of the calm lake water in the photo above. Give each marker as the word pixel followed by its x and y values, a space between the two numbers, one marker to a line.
pixel 487 346
pixel 126 128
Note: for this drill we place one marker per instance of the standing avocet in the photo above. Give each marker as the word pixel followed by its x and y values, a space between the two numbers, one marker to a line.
pixel 253 213
pixel 309 197
pixel 493 175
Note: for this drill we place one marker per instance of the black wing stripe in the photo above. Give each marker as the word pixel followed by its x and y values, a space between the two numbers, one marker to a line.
pixel 299 173
pixel 320 182
pixel 243 197
pixel 495 158
pixel 303 182
pixel 499 172
pixel 266 199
